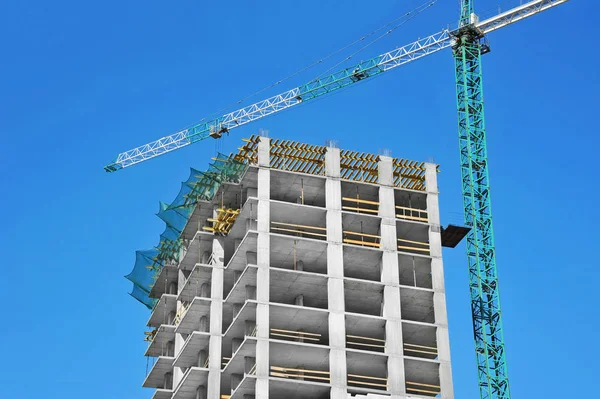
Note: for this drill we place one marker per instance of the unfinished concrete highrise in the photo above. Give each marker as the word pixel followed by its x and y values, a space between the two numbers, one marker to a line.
pixel 317 274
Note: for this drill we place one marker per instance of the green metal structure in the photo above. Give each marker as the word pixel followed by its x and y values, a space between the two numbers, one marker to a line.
pixel 481 253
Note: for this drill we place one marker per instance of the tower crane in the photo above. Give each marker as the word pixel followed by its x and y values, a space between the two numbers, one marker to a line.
pixel 468 43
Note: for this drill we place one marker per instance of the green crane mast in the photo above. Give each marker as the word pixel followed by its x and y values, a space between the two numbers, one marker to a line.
pixel 468 47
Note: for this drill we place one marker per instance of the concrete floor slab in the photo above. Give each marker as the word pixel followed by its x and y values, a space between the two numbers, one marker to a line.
pixel 201 243
pixel 156 376
pixel 298 355
pixel 365 191
pixel 162 394
pixel 415 270
pixel 417 304
pixel 293 187
pixel 165 305
pixel 287 285
pixel 201 212
pixel 287 212
pixel 422 371
pixel 367 364
pixel 188 356
pixel 239 259
pixel 363 296
pixel 168 274
pixel 297 389
pixel 246 387
pixel 284 249
pixel 362 263
pixel 230 195
pixel 191 319
pixel 190 382
pixel 238 326
pixel 237 363
pixel 296 318
pixel 371 393
pixel 410 198
pixel 361 222
pixel 238 291
pixel 365 326
pixel 200 274
pixel 158 346
pixel 411 230
pixel 416 334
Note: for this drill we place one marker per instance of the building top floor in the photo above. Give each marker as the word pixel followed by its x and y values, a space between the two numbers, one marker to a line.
pixel 372 186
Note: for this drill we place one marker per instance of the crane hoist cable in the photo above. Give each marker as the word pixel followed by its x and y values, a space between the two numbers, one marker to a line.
pixel 409 15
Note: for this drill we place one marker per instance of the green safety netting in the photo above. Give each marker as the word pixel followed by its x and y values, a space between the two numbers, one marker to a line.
pixel 200 186
pixel 142 275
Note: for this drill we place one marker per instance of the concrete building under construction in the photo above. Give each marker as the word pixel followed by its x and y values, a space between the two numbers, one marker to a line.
pixel 297 271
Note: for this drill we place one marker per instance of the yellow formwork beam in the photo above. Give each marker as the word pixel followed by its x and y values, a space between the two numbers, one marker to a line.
pixel 354 165
pixel 223 222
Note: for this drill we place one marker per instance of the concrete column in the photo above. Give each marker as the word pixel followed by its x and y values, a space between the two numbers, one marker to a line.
pixel 332 162
pixel 433 209
pixel 387 202
pixel 437 276
pixel 263 275
pixel 335 274
pixel 179 338
pixel 390 277
pixel 446 381
pixel 390 273
pixel 385 167
pixel 337 338
pixel 388 236
pixel 394 350
pixel 213 389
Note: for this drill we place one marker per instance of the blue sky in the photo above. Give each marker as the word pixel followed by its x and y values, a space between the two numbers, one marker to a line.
pixel 82 81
